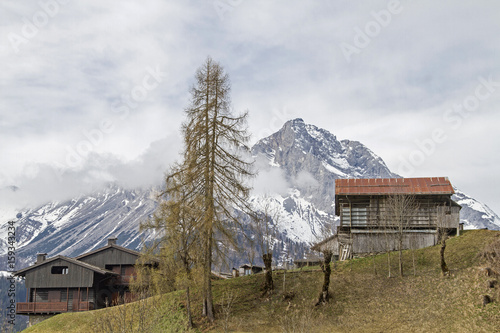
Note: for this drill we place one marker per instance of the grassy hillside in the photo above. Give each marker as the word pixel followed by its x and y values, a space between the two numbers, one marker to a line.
pixel 364 299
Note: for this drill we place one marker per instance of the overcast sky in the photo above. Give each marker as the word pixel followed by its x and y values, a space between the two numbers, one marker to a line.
pixel 94 91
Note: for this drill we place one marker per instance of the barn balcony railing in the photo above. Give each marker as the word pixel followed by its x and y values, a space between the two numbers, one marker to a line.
pixel 52 307
pixel 379 226
pixel 85 306
pixel 41 307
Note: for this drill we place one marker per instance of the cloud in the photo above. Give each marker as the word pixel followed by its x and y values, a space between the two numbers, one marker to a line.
pixel 66 78
pixel 269 179
pixel 41 183
pixel 305 179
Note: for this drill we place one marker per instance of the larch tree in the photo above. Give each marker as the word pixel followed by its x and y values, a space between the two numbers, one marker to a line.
pixel 214 167
pixel 179 240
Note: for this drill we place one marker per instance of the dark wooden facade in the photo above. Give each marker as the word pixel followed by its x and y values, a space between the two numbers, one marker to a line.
pixel 366 224
pixel 117 259
pixel 91 281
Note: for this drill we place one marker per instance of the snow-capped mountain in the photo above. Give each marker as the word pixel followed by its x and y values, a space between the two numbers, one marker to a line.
pixel 81 224
pixel 304 159
pixel 474 214
pixel 312 158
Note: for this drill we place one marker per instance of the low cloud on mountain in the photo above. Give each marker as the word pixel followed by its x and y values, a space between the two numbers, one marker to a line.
pixel 93 173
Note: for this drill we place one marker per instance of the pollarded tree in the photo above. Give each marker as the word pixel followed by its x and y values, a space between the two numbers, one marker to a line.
pixel 265 230
pixel 326 249
pixel 214 166
pixel 442 236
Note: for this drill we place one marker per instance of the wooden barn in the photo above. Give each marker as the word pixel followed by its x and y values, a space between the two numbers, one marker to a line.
pixel 91 281
pixel 377 214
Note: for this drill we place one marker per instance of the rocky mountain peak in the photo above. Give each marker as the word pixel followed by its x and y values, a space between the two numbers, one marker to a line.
pixel 308 157
pixel 299 148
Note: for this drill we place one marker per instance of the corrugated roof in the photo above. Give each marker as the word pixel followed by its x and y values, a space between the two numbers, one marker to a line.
pixel 381 186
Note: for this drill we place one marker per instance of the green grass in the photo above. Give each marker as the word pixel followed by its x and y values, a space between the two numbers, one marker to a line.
pixel 364 299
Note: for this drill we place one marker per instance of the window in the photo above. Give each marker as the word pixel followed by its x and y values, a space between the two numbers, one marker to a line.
pixel 113 268
pixel 358 212
pixel 59 270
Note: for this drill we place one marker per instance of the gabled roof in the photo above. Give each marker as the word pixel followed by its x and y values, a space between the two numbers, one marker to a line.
pixel 118 247
pixel 387 186
pixel 250 266
pixel 96 269
pixel 317 246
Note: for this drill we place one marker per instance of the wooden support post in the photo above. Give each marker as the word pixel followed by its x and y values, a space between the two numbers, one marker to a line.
pixel 67 299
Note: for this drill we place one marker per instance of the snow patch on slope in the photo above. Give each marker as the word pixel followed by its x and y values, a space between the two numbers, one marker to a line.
pixel 475 215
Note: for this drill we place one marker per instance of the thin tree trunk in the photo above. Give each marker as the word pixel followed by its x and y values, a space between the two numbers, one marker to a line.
pixel 413 261
pixel 268 260
pixel 389 262
pixel 444 268
pixel 188 309
pixel 284 281
pixel 400 257
pixel 374 267
pixel 327 270
pixel 208 304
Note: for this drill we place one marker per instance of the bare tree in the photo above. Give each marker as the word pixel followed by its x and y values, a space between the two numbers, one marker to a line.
pixel 324 296
pixel 265 229
pixel 326 249
pixel 229 297
pixel 388 239
pixel 400 209
pixel 442 237
pixel 444 268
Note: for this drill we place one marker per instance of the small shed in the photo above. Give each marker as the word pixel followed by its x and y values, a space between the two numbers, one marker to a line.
pixel 248 269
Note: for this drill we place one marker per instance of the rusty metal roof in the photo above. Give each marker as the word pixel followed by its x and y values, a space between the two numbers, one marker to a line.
pixel 382 186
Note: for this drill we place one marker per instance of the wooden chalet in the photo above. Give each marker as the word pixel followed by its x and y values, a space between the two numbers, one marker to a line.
pixel 367 223
pixel 90 281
